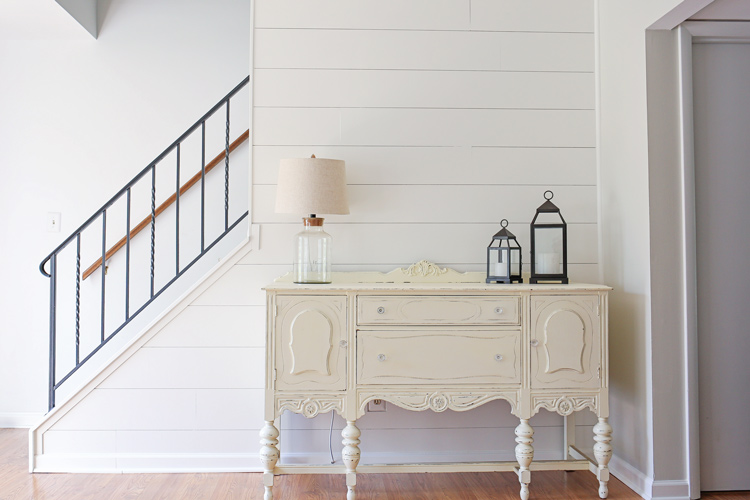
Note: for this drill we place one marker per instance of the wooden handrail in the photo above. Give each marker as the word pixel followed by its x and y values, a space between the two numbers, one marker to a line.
pixel 146 221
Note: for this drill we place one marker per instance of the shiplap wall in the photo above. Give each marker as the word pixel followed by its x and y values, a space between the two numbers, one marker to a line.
pixel 451 115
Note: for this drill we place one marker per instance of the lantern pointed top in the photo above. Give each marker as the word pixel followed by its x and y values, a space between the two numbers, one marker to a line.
pixel 504 234
pixel 548 206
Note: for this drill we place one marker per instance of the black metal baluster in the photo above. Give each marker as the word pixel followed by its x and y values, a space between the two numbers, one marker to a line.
pixel 153 223
pixel 52 327
pixel 127 257
pixel 203 186
pixel 78 298
pixel 177 215
pixel 104 262
pixel 206 246
pixel 226 174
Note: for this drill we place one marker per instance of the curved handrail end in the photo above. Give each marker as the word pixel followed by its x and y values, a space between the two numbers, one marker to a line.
pixel 41 267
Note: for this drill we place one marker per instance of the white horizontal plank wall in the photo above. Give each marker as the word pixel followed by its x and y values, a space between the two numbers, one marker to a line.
pixel 188 400
pixel 451 115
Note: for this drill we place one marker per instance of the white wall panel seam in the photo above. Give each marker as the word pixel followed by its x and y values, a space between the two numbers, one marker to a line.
pixel 515 108
pixel 445 146
pixel 447 70
pixel 452 184
pixel 257 28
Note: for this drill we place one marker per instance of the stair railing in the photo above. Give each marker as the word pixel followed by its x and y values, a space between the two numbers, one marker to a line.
pixel 150 172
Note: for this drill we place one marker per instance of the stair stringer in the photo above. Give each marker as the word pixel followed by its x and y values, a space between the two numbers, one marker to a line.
pixel 36 433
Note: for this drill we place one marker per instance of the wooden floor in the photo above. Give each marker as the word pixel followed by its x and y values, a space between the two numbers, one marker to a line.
pixel 17 484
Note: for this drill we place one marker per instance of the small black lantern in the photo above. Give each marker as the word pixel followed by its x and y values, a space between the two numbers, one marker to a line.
pixel 504 257
pixel 549 244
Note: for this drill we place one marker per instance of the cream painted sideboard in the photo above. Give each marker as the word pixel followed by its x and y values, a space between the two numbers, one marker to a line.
pixel 430 338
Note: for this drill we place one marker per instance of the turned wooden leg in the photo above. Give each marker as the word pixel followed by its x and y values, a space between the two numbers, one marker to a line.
pixel 524 455
pixel 350 455
pixel 269 455
pixel 603 452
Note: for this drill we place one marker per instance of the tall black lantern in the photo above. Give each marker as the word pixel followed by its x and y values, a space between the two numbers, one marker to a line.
pixel 504 257
pixel 549 244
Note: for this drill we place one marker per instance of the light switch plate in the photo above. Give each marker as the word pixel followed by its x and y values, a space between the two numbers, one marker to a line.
pixel 53 222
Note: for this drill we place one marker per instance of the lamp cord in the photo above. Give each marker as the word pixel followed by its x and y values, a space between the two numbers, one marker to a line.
pixel 330 438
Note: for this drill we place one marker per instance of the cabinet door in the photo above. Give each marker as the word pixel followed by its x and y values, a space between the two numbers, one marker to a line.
pixel 565 342
pixel 310 343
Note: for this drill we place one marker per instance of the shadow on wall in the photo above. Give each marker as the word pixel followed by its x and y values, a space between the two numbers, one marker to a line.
pixel 627 370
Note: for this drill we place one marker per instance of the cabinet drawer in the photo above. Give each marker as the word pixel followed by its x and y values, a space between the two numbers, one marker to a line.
pixel 438 310
pixel 404 357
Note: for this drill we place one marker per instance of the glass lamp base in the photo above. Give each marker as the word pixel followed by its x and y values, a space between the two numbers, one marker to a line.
pixel 312 253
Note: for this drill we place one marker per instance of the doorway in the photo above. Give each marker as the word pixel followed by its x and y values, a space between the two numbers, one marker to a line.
pixel 721 100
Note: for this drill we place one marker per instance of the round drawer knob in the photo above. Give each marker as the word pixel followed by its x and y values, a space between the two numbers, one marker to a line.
pixel 534 343
pixel 381 310
pixel 498 357
pixel 498 310
pixel 381 357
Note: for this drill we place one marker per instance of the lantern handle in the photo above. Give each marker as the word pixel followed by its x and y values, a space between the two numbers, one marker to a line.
pixel 504 223
pixel 551 195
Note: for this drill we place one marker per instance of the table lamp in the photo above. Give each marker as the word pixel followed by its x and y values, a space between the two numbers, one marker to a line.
pixel 312 186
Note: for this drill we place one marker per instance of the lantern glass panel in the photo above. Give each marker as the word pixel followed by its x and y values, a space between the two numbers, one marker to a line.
pixel 548 257
pixel 548 218
pixel 499 261
pixel 515 262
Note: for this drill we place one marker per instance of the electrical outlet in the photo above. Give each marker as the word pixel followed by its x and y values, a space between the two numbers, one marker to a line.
pixel 376 405
pixel 53 222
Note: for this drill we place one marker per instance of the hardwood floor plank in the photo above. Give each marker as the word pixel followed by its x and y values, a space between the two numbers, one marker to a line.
pixel 17 484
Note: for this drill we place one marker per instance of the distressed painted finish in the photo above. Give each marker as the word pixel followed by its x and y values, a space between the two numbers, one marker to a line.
pixel 429 338
pixel 412 310
pixel 309 353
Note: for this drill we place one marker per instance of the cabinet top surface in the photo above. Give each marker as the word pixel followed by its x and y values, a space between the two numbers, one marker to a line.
pixel 337 285
pixel 422 277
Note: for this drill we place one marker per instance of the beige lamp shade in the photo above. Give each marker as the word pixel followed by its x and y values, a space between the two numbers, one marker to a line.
pixel 312 186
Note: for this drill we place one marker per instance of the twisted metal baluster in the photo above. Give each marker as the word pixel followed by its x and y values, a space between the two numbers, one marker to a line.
pixel 153 223
pixel 104 267
pixel 78 298
pixel 226 174
pixel 127 257
pixel 203 186
pixel 177 215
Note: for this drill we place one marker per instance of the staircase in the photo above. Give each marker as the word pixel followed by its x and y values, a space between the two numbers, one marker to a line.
pixel 106 276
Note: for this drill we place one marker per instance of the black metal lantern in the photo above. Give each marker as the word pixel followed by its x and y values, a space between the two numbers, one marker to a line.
pixel 549 244
pixel 504 257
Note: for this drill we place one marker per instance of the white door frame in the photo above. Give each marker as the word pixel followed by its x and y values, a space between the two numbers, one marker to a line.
pixel 691 32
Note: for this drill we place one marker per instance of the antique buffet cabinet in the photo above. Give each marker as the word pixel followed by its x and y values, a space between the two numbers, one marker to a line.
pixel 430 338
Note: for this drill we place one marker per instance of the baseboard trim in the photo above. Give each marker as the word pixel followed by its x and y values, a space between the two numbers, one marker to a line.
pixel 671 490
pixel 19 420
pixel 646 486
pixel 246 462
pixel 633 478
pixel 93 463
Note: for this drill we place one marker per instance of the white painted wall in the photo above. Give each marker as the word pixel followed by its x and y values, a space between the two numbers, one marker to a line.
pixel 80 118
pixel 450 118
pixel 639 231
pixel 393 117
pixel 415 132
